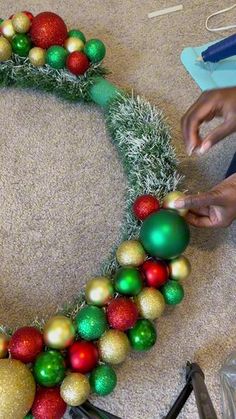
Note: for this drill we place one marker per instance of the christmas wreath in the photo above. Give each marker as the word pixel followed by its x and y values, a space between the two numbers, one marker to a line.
pixel 50 365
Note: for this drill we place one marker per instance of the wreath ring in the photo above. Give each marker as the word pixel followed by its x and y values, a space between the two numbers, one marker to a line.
pixel 50 365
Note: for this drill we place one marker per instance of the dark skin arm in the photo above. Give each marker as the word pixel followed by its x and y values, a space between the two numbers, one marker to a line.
pixel 216 208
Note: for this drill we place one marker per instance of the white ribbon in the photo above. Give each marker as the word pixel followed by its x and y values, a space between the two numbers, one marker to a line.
pixel 223 28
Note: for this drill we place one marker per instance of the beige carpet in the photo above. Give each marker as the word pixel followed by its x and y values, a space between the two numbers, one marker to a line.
pixel 61 192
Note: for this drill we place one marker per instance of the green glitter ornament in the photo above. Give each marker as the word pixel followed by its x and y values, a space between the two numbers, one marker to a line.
pixel 49 368
pixel 165 234
pixel 95 50
pixel 143 335
pixel 173 292
pixel 75 33
pixel 128 281
pixel 103 380
pixel 56 57
pixel 21 44
pixel 91 322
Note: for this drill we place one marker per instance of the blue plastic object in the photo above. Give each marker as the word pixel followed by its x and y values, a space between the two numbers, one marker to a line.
pixel 209 75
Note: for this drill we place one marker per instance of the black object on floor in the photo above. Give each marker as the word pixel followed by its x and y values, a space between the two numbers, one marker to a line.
pixel 89 411
pixel 232 168
pixel 194 382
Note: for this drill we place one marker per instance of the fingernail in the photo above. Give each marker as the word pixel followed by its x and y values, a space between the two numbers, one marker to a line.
pixel 179 203
pixel 204 148
pixel 190 151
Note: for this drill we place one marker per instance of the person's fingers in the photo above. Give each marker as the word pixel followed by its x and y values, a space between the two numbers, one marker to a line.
pixel 197 201
pixel 200 111
pixel 200 211
pixel 197 221
pixel 220 132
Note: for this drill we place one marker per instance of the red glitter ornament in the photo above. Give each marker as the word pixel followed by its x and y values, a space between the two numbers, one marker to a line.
pixel 25 344
pixel 83 356
pixel 29 14
pixel 48 404
pixel 122 313
pixel 145 205
pixel 155 273
pixel 77 63
pixel 48 29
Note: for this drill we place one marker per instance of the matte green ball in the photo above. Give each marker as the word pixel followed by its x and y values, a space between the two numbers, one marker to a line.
pixel 49 368
pixel 103 380
pixel 95 50
pixel 173 292
pixel 91 322
pixel 143 335
pixel 21 44
pixel 56 57
pixel 165 234
pixel 75 33
pixel 128 281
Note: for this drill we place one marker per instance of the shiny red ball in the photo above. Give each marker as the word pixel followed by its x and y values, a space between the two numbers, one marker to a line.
pixel 48 404
pixel 29 14
pixel 25 344
pixel 145 205
pixel 48 29
pixel 77 63
pixel 122 313
pixel 83 356
pixel 155 273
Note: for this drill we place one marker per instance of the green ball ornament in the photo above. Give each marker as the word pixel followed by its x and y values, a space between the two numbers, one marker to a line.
pixel 21 44
pixel 173 292
pixel 143 335
pixel 49 368
pixel 91 322
pixel 165 234
pixel 56 57
pixel 95 50
pixel 128 281
pixel 1 20
pixel 29 416
pixel 103 380
pixel 75 33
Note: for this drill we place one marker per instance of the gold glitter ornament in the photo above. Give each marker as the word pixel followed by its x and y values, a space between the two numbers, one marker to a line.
pixel 114 347
pixel 4 342
pixel 131 253
pixel 59 332
pixel 5 49
pixel 17 389
pixel 99 291
pixel 74 44
pixel 170 198
pixel 150 303
pixel 6 29
pixel 21 22
pixel 180 268
pixel 75 389
pixel 37 56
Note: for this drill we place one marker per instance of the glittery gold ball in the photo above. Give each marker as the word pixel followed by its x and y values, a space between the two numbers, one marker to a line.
pixel 21 22
pixel 150 303
pixel 75 389
pixel 37 56
pixel 59 332
pixel 168 201
pixel 180 268
pixel 4 342
pixel 5 49
pixel 6 29
pixel 74 44
pixel 114 346
pixel 130 253
pixel 99 291
pixel 17 389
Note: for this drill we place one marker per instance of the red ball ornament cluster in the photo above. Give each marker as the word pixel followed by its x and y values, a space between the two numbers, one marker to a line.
pixel 44 39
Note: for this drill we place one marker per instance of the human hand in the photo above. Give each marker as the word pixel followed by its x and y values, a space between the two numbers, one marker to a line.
pixel 211 104
pixel 216 208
